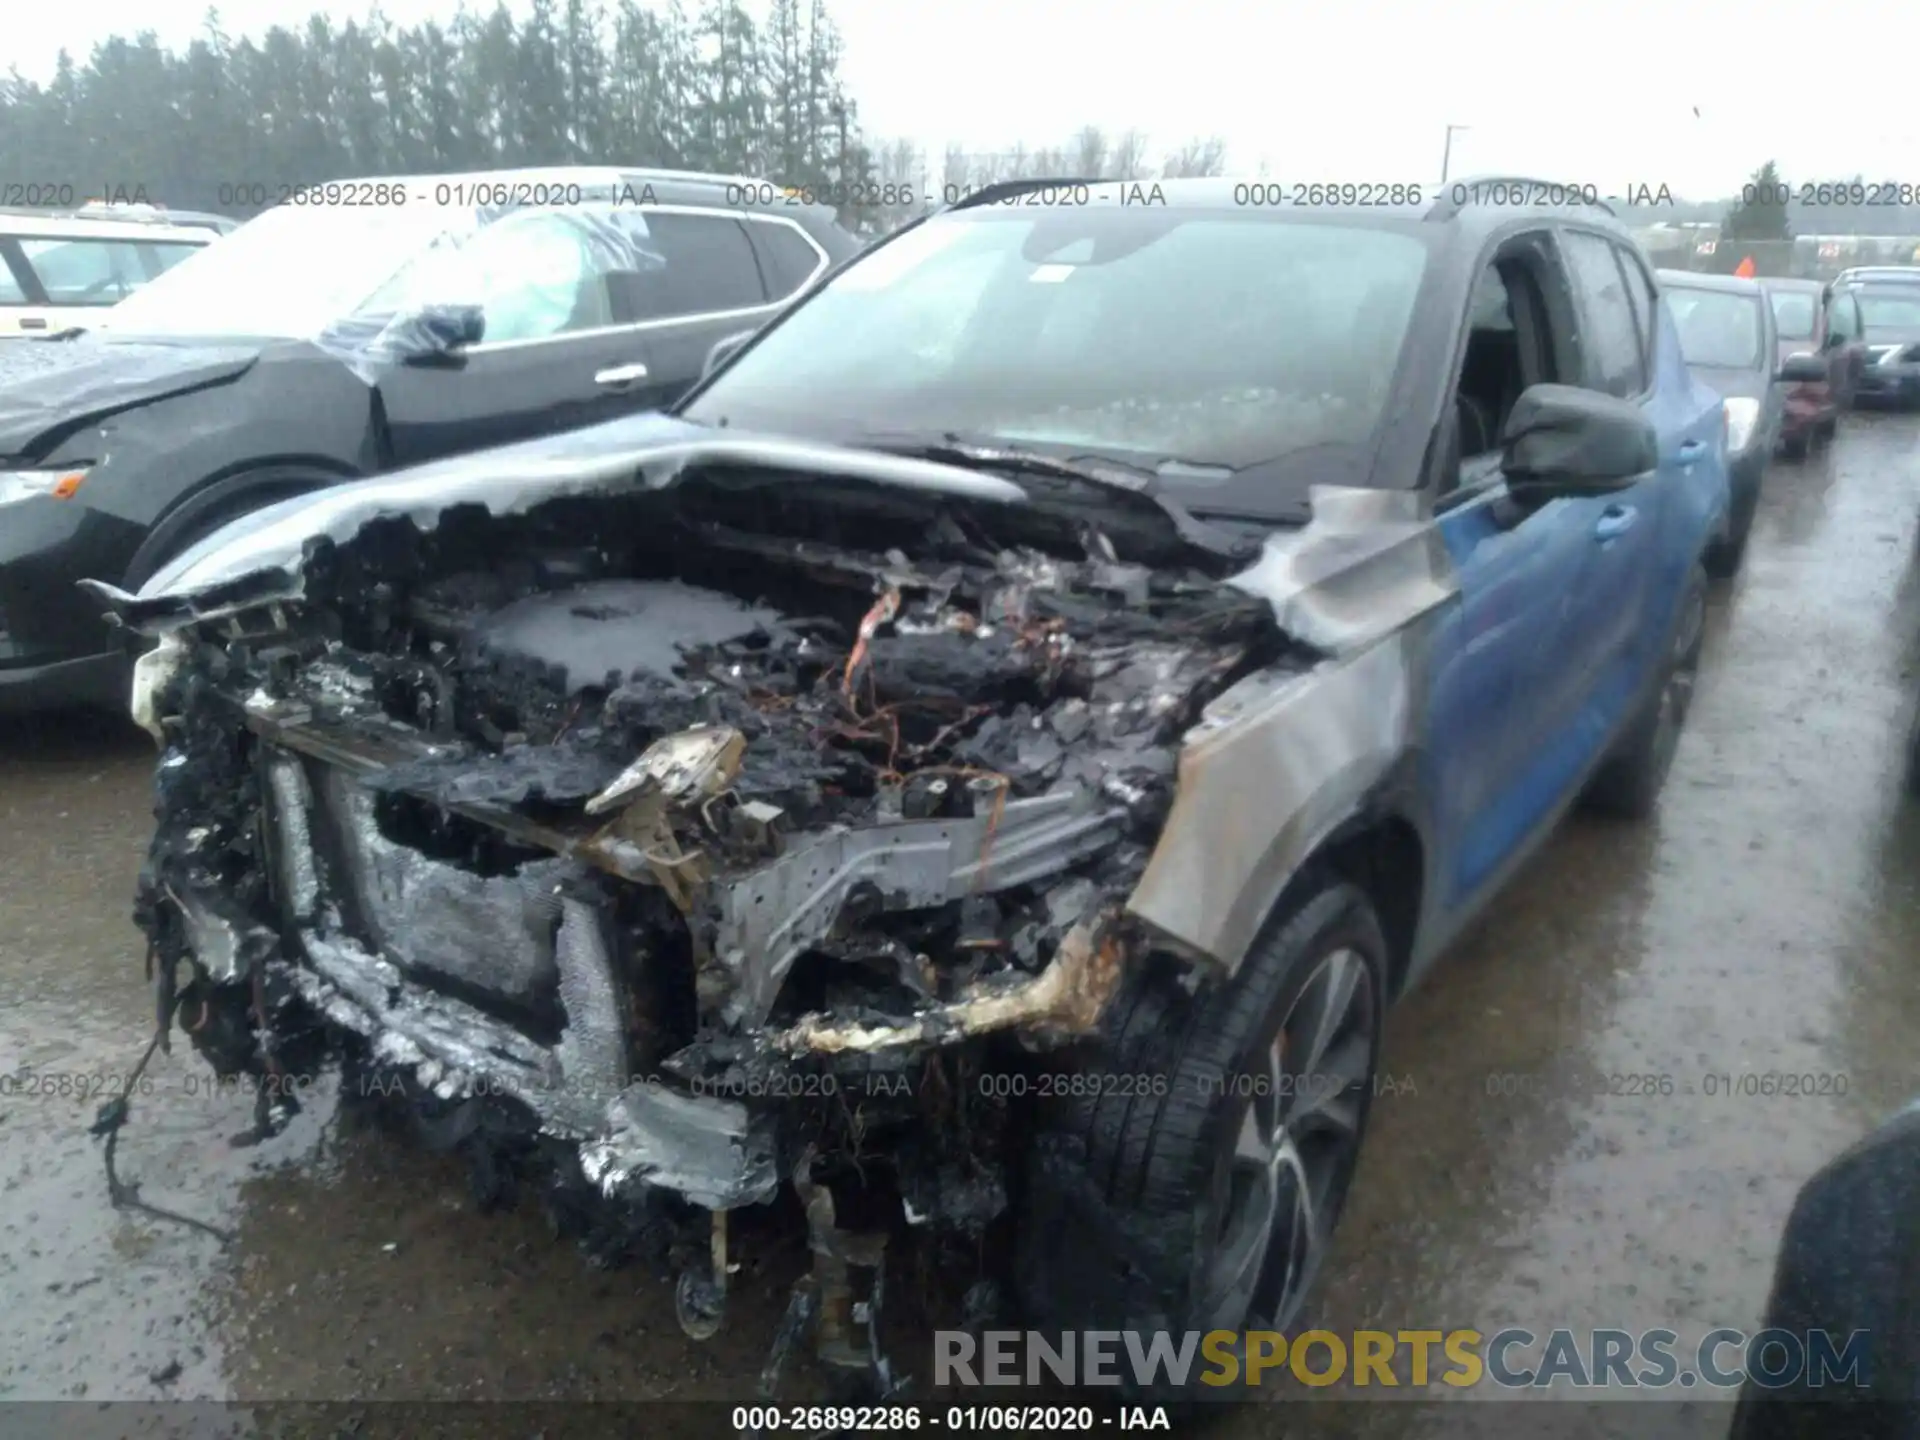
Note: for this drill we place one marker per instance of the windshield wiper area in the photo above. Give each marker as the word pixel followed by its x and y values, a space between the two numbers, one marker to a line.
pixel 986 453
pixel 72 332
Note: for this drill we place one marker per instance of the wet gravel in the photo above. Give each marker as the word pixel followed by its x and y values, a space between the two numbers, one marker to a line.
pixel 1764 923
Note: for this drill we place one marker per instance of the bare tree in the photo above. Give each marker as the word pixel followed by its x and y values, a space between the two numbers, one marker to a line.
pixel 900 171
pixel 955 170
pixel 1129 158
pixel 1197 157
pixel 1090 151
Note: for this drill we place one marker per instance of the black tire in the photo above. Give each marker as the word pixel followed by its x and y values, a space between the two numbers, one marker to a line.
pixel 1133 1194
pixel 1828 428
pixel 1628 784
pixel 1796 445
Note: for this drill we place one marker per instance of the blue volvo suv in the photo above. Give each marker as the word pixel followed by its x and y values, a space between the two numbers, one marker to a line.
pixel 1083 659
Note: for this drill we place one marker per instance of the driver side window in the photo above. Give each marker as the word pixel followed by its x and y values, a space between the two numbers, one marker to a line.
pixel 1517 336
pixel 534 273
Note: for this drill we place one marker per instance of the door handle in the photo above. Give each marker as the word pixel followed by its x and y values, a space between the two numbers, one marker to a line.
pixel 1692 451
pixel 1614 522
pixel 619 376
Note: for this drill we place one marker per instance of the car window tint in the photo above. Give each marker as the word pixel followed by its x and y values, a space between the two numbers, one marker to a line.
pixel 790 260
pixel 85 271
pixel 1640 297
pixel 1607 333
pixel 162 255
pixel 1719 329
pixel 1844 319
pixel 709 266
pixel 1794 313
pixel 10 291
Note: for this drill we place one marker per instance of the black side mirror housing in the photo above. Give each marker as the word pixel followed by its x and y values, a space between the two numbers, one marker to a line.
pixel 723 351
pixel 1562 441
pixel 1802 370
pixel 435 332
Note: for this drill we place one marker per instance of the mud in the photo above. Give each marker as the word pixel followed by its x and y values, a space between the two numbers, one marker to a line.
pixel 1766 921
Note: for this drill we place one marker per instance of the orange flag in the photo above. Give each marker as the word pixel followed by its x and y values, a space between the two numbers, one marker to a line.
pixel 1745 268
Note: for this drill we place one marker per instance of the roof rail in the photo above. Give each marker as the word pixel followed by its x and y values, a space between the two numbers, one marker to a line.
pixel 1556 194
pixel 1002 190
pixel 701 177
pixel 92 210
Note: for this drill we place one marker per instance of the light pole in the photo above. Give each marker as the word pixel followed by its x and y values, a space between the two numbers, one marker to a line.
pixel 1446 155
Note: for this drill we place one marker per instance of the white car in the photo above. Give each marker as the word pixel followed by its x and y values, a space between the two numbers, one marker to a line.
pixel 55 265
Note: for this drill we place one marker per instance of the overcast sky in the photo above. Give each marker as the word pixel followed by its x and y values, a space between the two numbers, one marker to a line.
pixel 1351 90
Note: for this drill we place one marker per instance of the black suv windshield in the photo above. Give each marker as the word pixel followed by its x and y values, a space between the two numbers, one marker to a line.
pixel 1226 341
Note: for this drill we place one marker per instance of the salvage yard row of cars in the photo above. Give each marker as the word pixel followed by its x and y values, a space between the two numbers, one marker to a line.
pixel 1115 642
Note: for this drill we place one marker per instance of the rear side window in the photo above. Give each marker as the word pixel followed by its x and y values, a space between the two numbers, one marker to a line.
pixel 710 267
pixel 1608 336
pixel 786 256
pixel 162 255
pixel 1795 312
pixel 85 271
pixel 10 291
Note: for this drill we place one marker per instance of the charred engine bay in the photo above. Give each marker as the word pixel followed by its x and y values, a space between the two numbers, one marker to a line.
pixel 842 766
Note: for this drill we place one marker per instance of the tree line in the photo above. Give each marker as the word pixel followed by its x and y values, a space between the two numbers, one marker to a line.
pixel 1771 207
pixel 231 124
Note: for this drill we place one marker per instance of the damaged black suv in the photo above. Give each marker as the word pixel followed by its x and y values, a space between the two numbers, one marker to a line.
pixel 987 761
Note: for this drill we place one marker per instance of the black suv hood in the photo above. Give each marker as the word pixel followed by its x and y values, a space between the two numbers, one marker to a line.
pixel 51 387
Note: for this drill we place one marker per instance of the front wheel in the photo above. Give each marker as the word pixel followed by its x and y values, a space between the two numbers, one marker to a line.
pixel 1796 445
pixel 1629 783
pixel 1208 1202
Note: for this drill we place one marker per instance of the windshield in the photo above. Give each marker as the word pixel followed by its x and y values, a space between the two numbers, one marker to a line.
pixel 1793 314
pixel 1227 341
pixel 1890 308
pixel 289 272
pixel 1718 329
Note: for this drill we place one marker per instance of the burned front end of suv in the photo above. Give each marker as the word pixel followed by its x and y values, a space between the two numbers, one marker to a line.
pixel 697 825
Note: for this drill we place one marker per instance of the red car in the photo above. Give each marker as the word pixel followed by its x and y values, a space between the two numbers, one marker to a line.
pixel 1813 318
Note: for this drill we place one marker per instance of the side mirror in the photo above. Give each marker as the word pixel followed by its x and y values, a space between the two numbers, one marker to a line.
pixel 435 332
pixel 1802 369
pixel 724 351
pixel 1560 441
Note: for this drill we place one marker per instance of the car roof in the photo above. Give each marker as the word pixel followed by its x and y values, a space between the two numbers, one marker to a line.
pixel 1695 280
pixel 96 226
pixel 1793 283
pixel 1898 274
pixel 1440 204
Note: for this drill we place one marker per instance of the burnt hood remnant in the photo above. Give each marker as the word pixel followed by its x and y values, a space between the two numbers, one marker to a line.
pixel 718 823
